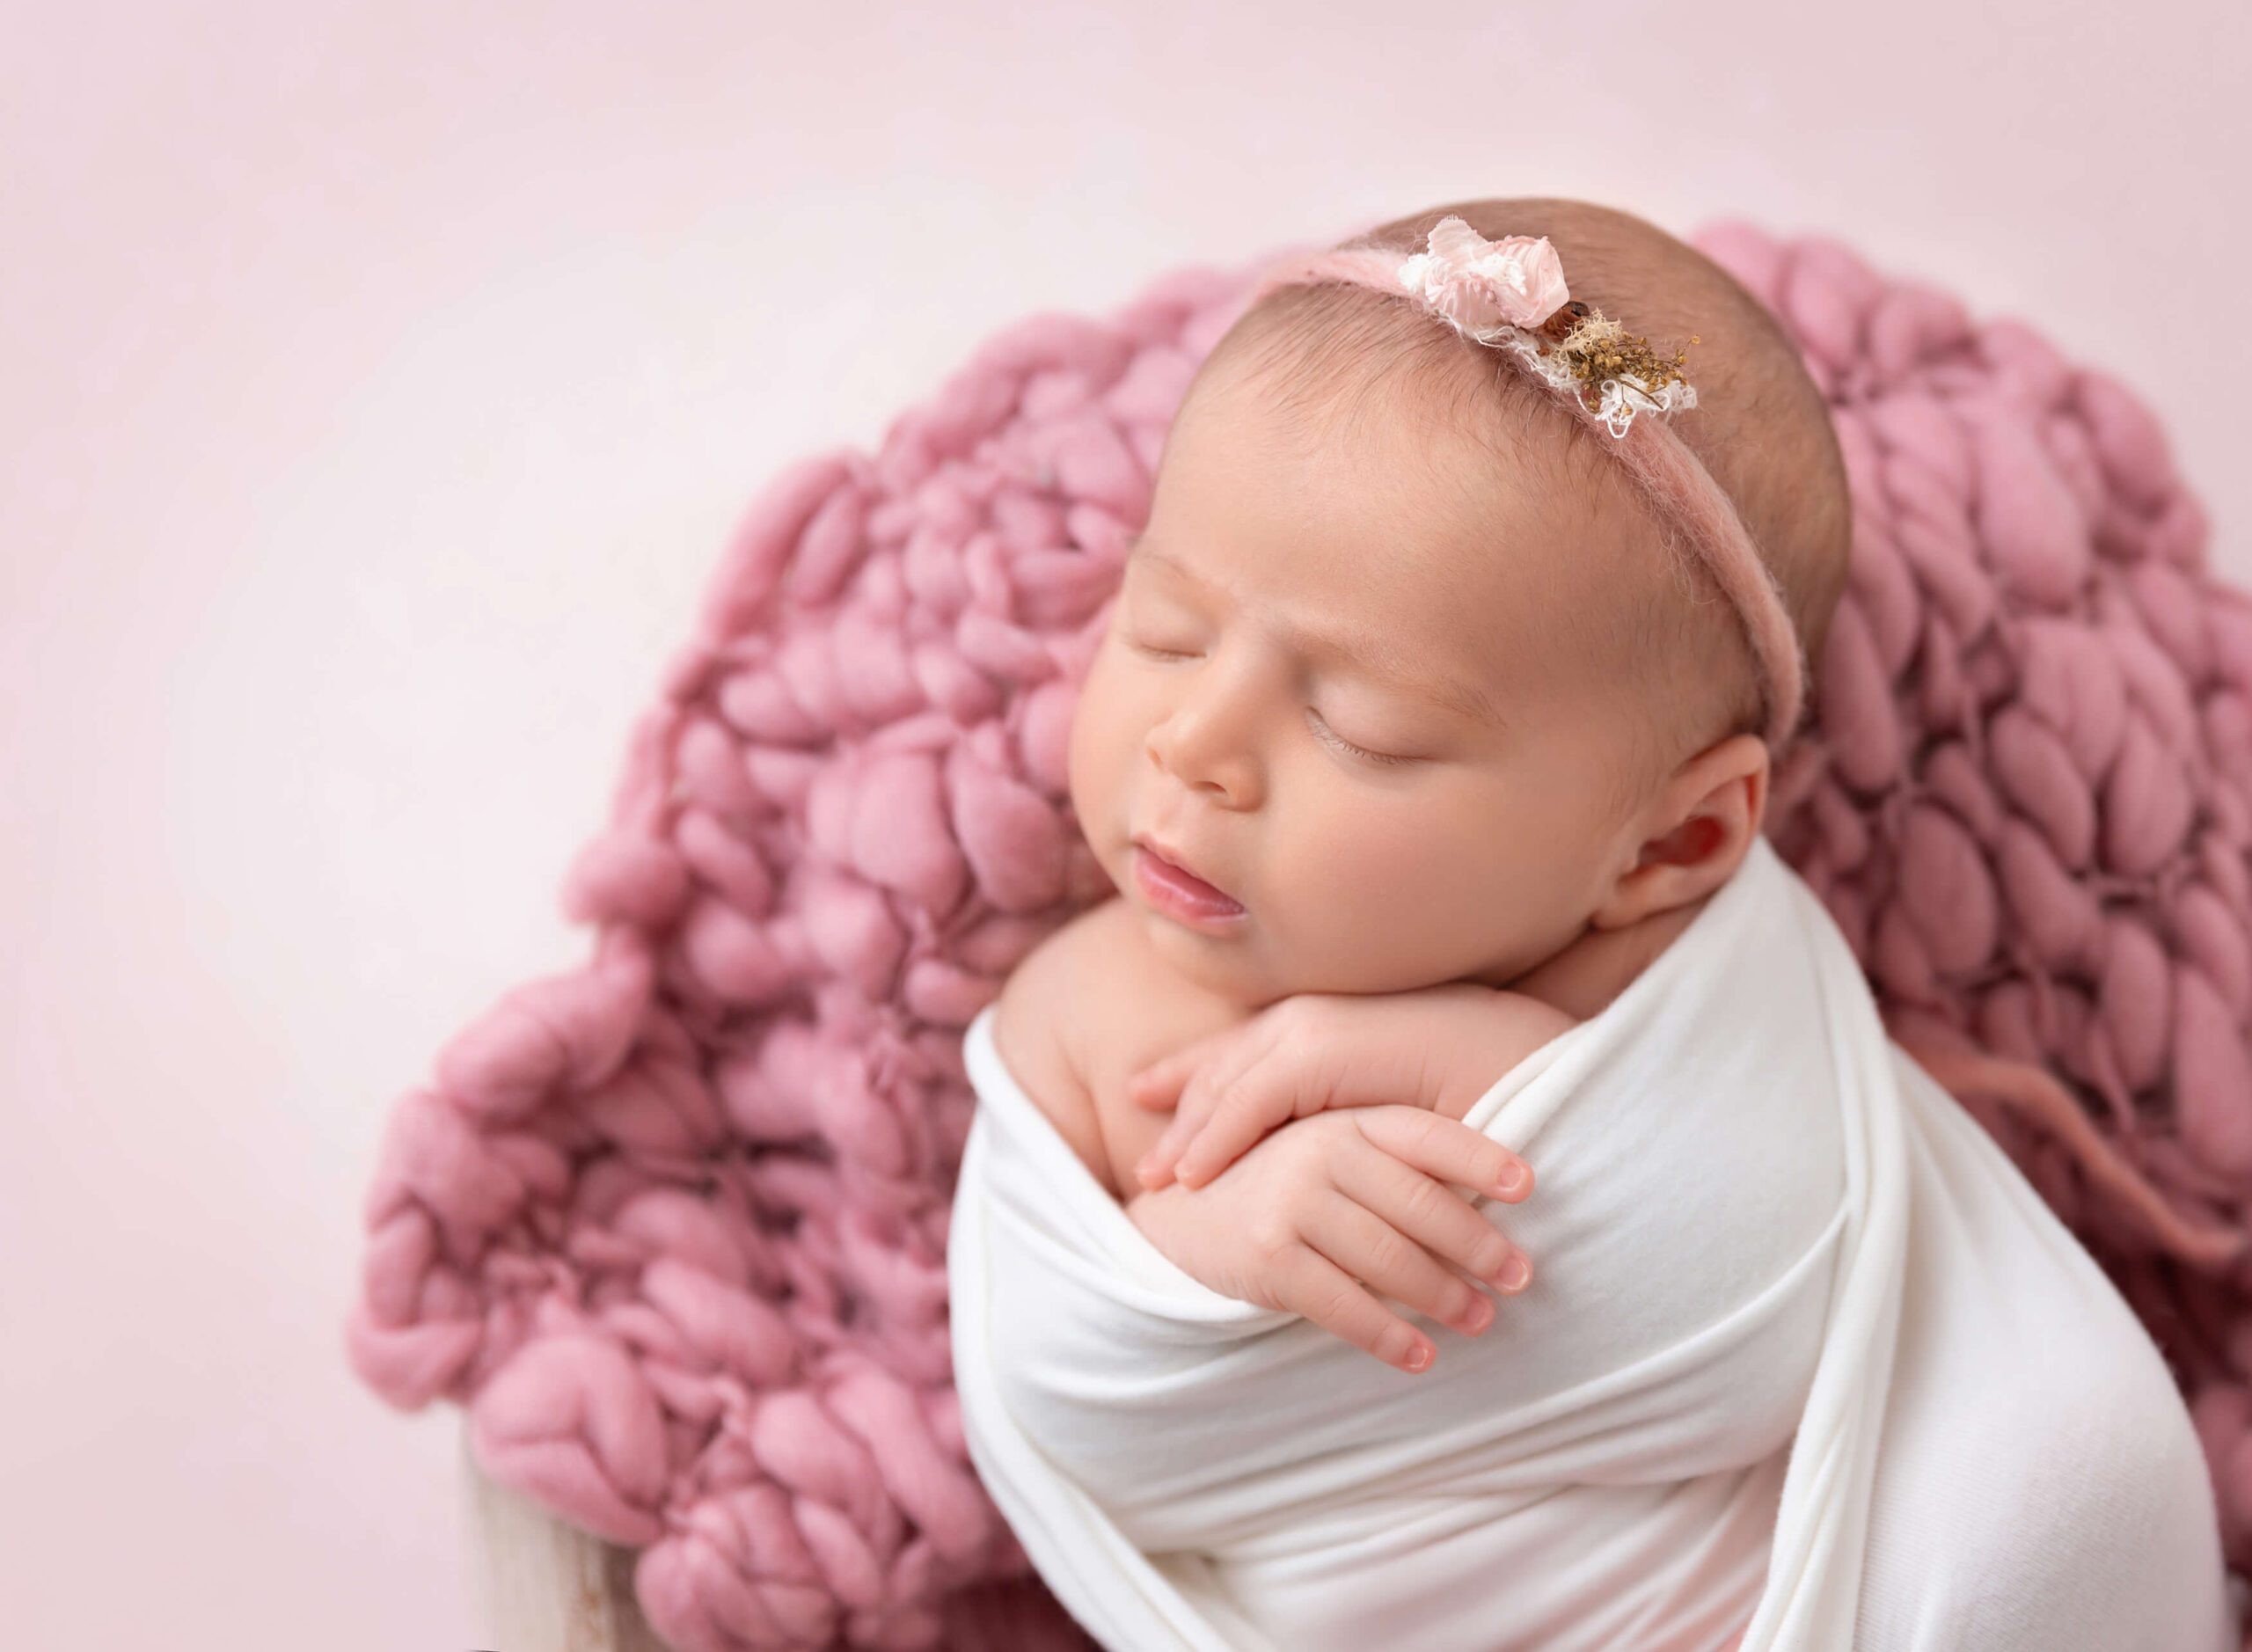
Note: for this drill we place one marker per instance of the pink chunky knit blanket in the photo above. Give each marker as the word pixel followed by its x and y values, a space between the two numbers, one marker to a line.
pixel 670 1223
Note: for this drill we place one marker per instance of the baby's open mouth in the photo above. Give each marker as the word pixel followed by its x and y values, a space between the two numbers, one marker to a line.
pixel 1179 892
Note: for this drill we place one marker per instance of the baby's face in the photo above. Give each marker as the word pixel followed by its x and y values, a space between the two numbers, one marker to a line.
pixel 1334 685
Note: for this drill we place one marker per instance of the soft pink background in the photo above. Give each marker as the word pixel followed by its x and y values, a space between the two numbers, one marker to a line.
pixel 377 384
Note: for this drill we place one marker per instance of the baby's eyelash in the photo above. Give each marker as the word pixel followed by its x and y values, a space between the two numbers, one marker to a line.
pixel 1342 744
pixel 1322 731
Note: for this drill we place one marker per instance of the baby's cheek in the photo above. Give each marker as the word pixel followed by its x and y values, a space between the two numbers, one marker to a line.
pixel 1380 849
pixel 1419 891
pixel 1374 867
pixel 1107 737
pixel 1078 780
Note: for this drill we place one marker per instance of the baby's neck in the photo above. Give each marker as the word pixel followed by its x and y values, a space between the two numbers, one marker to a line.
pixel 1590 971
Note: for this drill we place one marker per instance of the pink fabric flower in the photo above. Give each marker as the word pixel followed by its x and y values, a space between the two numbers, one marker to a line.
pixel 1476 283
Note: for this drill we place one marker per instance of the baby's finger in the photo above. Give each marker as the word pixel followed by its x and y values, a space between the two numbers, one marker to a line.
pixel 1167 1081
pixel 1382 1255
pixel 1155 1166
pixel 1310 1285
pixel 1212 1089
pixel 1446 1148
pixel 1377 1175
pixel 1157 1085
pixel 1246 1114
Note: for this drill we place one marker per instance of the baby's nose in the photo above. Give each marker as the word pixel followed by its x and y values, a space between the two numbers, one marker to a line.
pixel 1226 773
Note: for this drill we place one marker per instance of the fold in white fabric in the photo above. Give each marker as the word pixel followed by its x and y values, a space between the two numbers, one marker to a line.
pixel 1803 1350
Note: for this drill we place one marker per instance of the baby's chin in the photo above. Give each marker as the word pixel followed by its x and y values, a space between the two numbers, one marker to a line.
pixel 1217 971
pixel 1243 961
pixel 1250 969
pixel 1230 965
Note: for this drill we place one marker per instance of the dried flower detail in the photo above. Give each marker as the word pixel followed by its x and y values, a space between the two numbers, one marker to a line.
pixel 1510 294
pixel 1598 347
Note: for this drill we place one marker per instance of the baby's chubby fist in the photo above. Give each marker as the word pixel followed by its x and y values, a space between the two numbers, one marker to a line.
pixel 1439 1048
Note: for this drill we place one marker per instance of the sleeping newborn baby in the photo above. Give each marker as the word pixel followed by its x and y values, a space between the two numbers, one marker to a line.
pixel 1429 746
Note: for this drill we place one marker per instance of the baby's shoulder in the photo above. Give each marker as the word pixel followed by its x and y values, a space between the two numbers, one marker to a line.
pixel 1077 976
pixel 1120 1001
pixel 1032 1022
pixel 1086 1008
pixel 1040 1004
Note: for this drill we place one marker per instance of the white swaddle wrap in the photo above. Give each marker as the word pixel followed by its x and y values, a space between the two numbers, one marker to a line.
pixel 1803 1348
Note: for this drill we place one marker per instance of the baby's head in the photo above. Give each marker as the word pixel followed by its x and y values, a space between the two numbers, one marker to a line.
pixel 1404 663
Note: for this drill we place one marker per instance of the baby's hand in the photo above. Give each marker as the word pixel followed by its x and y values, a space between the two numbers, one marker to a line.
pixel 1331 1217
pixel 1438 1048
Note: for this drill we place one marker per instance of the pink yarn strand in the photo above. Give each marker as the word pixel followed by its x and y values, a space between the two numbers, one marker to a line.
pixel 2036 1093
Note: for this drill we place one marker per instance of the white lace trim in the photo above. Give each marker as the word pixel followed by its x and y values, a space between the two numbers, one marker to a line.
pixel 1620 398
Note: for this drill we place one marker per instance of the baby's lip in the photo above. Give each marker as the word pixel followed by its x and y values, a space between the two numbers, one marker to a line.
pixel 1180 862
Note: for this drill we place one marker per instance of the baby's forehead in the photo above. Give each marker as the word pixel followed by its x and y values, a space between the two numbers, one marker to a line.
pixel 1441 425
pixel 1415 518
pixel 1443 477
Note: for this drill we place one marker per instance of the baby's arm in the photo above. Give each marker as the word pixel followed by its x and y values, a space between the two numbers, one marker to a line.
pixel 1441 1048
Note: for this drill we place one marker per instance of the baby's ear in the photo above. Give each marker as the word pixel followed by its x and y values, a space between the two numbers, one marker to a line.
pixel 1695 833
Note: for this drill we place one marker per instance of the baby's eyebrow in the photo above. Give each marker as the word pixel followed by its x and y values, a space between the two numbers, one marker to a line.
pixel 1470 699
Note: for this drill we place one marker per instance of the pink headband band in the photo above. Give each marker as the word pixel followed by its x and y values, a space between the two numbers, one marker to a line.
pixel 1510 294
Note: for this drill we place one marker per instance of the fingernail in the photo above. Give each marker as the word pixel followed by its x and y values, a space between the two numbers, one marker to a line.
pixel 1512 1182
pixel 1419 1357
pixel 1479 1315
pixel 1517 1272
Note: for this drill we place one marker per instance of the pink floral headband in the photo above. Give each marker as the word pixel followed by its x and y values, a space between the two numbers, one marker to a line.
pixel 1510 295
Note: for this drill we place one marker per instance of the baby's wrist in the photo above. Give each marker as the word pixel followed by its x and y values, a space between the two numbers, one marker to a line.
pixel 1483 1039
